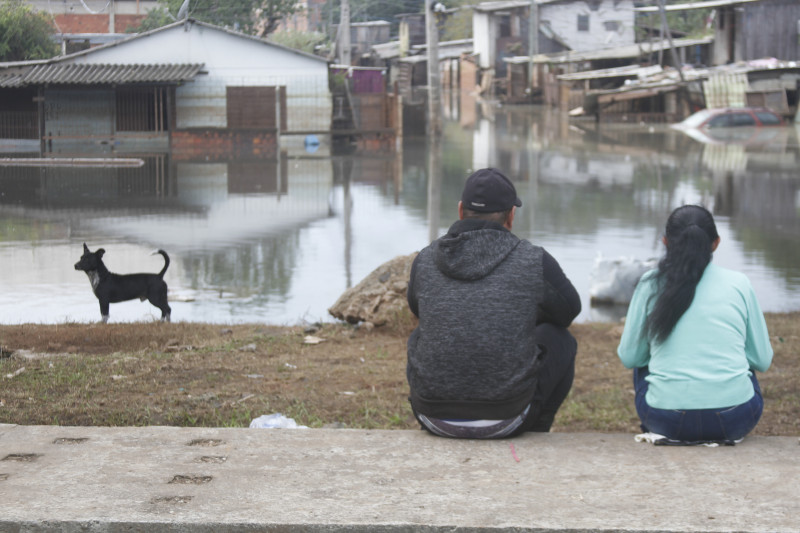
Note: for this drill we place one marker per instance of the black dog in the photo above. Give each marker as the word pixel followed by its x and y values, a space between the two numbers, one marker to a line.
pixel 112 288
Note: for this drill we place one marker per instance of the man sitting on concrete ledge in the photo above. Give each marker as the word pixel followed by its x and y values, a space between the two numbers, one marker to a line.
pixel 491 356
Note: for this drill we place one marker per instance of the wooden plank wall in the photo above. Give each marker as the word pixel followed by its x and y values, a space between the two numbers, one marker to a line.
pixel 769 29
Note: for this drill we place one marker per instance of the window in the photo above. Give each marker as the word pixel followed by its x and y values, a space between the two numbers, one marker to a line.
pixel 721 121
pixel 767 118
pixel 612 25
pixel 505 26
pixel 743 119
pixel 583 22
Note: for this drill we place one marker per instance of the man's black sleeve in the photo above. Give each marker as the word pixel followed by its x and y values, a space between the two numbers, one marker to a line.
pixel 561 302
pixel 411 293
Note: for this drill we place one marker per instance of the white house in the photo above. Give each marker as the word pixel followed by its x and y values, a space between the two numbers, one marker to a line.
pixel 237 67
pixel 590 24
pixel 501 29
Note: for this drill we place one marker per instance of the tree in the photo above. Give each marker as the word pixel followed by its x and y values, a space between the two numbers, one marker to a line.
pixel 369 10
pixel 248 16
pixel 271 12
pixel 24 33
pixel 689 22
pixel 307 41
pixel 459 24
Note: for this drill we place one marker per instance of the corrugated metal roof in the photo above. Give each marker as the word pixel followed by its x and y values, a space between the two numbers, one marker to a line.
pixel 100 74
pixel 387 50
pixel 12 77
pixel 500 5
pixel 708 4
pixel 618 52
pixel 449 49
pixel 370 23
pixel 637 71
pixel 488 7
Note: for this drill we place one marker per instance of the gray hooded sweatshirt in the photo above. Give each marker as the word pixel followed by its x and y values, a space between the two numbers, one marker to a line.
pixel 479 292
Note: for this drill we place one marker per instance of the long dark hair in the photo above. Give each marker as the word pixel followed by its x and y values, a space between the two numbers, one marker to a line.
pixel 690 234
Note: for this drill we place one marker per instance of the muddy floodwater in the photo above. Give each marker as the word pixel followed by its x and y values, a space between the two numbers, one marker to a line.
pixel 278 241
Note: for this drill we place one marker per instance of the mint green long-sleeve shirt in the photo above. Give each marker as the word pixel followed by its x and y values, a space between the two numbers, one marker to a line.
pixel 706 361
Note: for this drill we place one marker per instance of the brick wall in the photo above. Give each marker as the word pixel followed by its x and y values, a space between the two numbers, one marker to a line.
pixel 87 23
pixel 82 23
pixel 123 22
pixel 216 144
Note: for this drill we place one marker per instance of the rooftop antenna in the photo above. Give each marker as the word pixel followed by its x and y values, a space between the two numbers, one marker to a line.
pixel 183 12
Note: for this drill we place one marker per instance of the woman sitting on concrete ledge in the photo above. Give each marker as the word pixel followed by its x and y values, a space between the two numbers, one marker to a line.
pixel 694 335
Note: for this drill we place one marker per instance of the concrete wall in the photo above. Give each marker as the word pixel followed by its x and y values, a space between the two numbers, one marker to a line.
pixel 563 19
pixel 484 33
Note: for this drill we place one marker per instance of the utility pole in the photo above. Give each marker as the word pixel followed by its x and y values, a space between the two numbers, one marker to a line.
pixel 533 40
pixel 344 33
pixel 434 84
pixel 112 13
pixel 665 26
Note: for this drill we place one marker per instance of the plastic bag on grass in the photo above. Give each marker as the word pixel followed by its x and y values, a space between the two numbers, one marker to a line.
pixel 275 420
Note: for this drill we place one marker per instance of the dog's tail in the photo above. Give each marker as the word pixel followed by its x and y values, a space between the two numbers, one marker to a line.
pixel 166 262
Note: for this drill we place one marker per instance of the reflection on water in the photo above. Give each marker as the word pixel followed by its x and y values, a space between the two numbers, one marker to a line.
pixel 278 240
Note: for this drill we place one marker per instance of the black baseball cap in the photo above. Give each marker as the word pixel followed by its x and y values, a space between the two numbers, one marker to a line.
pixel 487 191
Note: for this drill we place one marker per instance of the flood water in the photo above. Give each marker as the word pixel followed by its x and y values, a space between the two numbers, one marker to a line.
pixel 279 241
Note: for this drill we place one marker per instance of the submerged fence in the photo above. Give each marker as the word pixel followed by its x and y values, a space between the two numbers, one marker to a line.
pixel 19 125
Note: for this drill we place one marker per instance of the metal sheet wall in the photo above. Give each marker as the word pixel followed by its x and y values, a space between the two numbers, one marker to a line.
pixel 79 113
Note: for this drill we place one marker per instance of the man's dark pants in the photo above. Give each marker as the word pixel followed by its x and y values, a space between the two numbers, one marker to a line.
pixel 555 376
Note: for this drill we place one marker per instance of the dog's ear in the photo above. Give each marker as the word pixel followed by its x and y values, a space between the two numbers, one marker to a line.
pixel 100 252
pixel 85 248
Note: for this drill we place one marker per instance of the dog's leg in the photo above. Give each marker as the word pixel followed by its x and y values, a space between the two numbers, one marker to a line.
pixel 104 310
pixel 158 297
pixel 166 312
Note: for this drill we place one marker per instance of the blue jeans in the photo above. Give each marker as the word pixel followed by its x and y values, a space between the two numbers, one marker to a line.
pixel 722 424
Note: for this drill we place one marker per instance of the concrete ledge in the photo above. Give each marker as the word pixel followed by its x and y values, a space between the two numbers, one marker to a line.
pixel 167 479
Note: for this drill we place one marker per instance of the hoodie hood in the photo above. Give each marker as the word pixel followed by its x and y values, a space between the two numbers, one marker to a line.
pixel 472 249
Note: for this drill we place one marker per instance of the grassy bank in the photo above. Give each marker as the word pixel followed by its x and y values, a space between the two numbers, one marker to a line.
pixel 192 374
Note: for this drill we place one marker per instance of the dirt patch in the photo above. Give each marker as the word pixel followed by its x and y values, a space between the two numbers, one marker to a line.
pixel 336 375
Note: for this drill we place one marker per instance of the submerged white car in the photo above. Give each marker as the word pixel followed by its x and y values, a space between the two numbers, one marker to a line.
pixel 738 125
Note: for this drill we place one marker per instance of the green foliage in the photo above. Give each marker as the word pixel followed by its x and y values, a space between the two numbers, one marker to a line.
pixel 24 33
pixel 270 12
pixel 247 16
pixel 369 10
pixel 691 22
pixel 459 25
pixel 306 41
pixel 157 17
